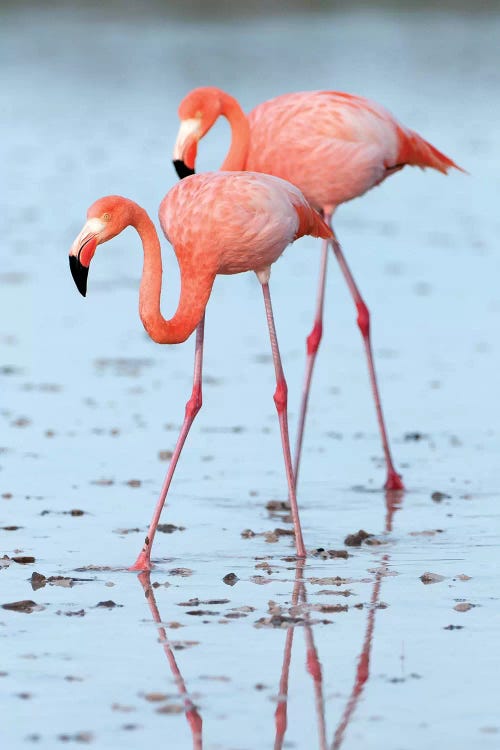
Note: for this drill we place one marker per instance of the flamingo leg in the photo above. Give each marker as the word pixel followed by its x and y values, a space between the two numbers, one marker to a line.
pixel 312 345
pixel 193 406
pixel 394 480
pixel 281 400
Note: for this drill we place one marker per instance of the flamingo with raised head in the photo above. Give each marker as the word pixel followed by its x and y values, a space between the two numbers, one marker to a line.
pixel 334 147
pixel 218 223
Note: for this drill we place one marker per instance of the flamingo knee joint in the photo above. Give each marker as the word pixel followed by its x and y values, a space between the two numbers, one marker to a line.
pixel 281 395
pixel 363 319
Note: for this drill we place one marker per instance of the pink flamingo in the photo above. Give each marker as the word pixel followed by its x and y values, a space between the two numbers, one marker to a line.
pixel 334 147
pixel 242 222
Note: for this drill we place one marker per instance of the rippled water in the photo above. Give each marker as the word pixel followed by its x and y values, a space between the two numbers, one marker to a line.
pixel 285 657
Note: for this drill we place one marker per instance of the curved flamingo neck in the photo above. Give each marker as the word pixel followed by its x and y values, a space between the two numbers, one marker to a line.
pixel 194 295
pixel 240 133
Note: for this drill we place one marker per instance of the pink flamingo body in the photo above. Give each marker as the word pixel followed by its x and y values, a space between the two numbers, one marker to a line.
pixel 334 147
pixel 219 223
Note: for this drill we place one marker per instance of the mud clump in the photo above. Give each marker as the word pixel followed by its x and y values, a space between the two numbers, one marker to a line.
pixel 357 539
pixel 25 605
pixel 23 560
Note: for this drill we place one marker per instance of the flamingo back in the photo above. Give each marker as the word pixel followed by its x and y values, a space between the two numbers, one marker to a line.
pixel 333 146
pixel 231 222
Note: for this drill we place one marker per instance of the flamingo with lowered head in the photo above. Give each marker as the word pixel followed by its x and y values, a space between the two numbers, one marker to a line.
pixel 334 147
pixel 218 223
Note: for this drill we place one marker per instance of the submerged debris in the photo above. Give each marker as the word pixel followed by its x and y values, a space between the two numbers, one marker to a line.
pixel 71 613
pixel 278 506
pixel 328 554
pixel 247 534
pixel 82 737
pixel 183 572
pixel 414 436
pixel 195 602
pixel 170 708
pixel 38 581
pixel 273 536
pixel 169 528
pixel 439 496
pixel 330 581
pixel 431 578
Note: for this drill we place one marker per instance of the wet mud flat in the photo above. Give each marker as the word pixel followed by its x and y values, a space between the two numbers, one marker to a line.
pixel 376 634
pixel 386 638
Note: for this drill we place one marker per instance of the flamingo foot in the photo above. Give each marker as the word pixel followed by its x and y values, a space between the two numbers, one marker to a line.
pixel 394 481
pixel 142 563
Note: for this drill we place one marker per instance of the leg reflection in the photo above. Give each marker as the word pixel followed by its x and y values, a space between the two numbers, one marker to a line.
pixel 299 606
pixel 192 715
pixel 393 501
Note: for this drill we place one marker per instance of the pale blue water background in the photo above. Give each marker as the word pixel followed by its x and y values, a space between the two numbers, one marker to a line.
pixel 90 103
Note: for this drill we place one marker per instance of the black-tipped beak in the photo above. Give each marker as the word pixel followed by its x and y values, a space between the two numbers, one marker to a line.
pixel 79 273
pixel 181 169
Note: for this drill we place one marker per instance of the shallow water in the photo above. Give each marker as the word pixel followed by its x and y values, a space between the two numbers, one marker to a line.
pixel 89 407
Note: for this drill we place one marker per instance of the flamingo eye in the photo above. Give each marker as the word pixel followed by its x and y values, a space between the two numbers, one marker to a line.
pixel 106 217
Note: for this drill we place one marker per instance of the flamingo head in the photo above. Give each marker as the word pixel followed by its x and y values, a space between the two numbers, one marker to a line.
pixel 106 218
pixel 197 112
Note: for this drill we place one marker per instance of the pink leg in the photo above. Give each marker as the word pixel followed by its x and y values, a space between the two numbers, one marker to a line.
pixel 281 399
pixel 394 481
pixel 193 406
pixel 312 345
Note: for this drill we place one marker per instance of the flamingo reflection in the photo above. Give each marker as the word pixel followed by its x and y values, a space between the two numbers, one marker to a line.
pixel 313 666
pixel 193 717
pixel 393 502
pixel 300 614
